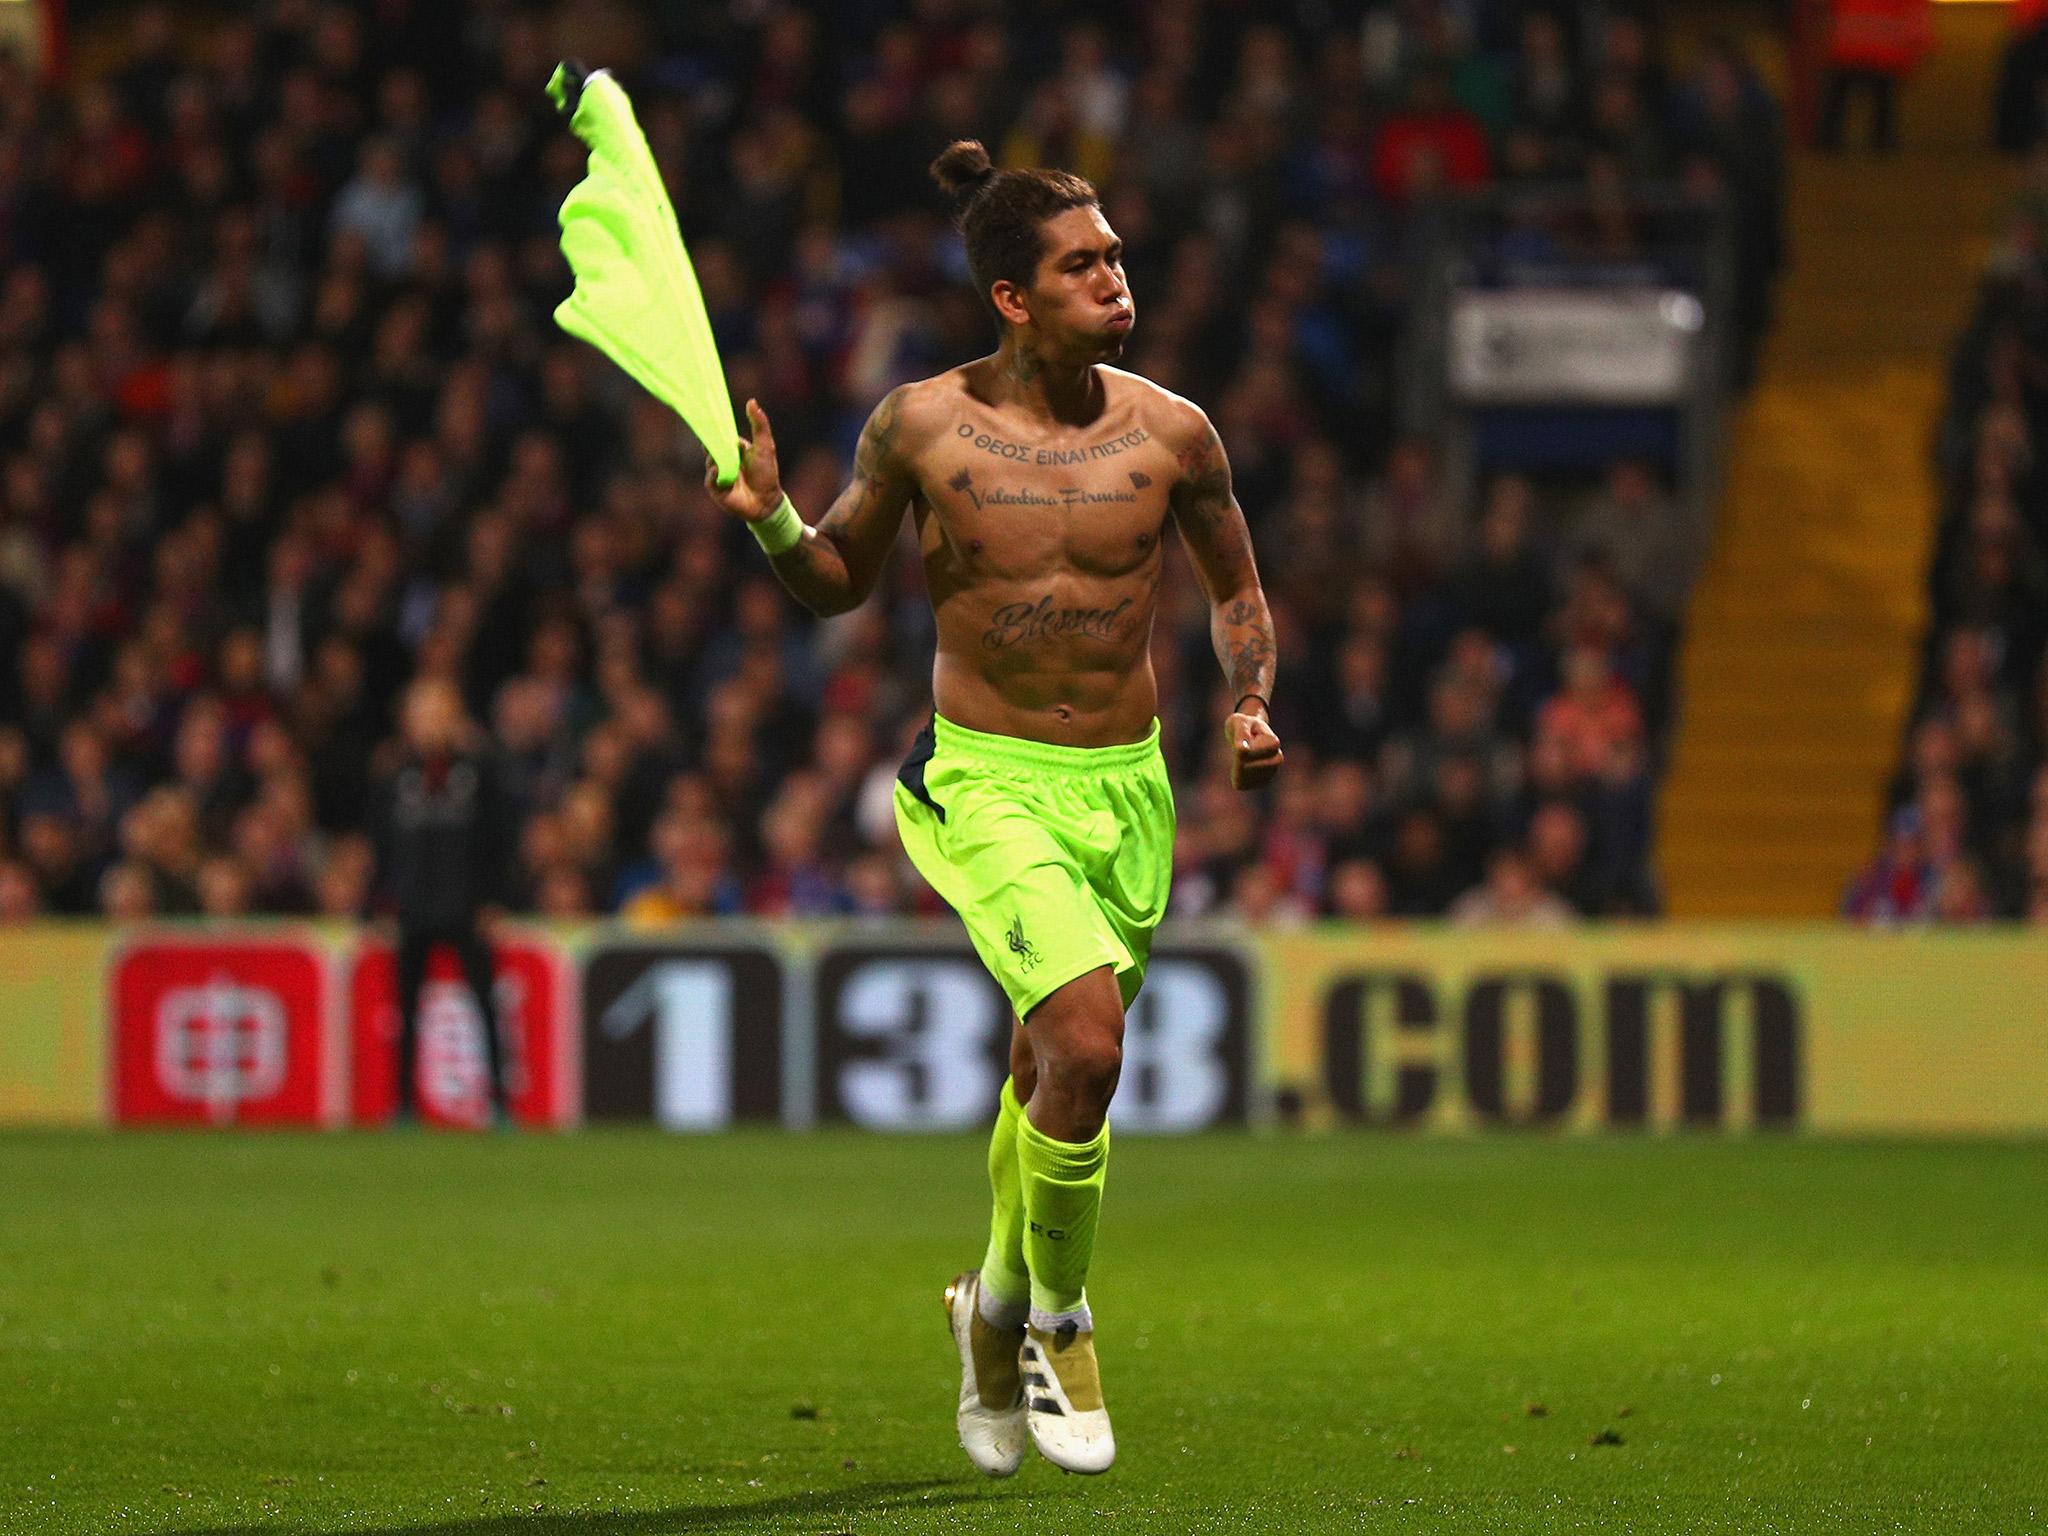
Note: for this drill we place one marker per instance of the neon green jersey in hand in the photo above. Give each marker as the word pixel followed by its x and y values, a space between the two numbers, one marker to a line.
pixel 636 297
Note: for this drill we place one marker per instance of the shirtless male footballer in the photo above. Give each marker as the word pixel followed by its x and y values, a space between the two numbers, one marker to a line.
pixel 1040 481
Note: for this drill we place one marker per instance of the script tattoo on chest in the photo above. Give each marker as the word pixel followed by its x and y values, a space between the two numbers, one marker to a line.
pixel 1015 623
pixel 1025 453
pixel 1033 496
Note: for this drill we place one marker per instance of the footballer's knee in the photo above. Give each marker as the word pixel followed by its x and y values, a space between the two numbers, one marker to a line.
pixel 1085 1069
pixel 1076 1039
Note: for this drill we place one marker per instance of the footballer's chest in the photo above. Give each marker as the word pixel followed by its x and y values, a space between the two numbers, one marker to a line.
pixel 1096 504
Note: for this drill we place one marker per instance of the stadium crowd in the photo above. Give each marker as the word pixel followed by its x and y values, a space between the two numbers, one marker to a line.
pixel 285 424
pixel 1967 837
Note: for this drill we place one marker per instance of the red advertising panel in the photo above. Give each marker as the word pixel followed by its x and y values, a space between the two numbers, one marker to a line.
pixel 535 1025
pixel 222 1032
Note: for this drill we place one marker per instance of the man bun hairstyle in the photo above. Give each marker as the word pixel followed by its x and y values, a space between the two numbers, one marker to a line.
pixel 963 169
pixel 999 212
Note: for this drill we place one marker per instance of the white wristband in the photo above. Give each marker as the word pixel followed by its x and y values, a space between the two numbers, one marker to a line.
pixel 780 530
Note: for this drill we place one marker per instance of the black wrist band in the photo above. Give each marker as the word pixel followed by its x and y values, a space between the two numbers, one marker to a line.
pixel 1236 710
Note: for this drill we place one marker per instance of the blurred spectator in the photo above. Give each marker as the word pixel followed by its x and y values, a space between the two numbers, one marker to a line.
pixel 223 889
pixel 1730 136
pixel 1511 897
pixel 382 208
pixel 125 895
pixel 1503 585
pixel 21 898
pixel 1594 713
pixel 1968 834
pixel 1559 854
pixel 1430 144
pixel 1872 46
pixel 1633 530
pixel 692 879
pixel 1896 886
pixel 1358 892
pixel 443 838
pixel 1412 530
pixel 2020 107
pixel 1420 879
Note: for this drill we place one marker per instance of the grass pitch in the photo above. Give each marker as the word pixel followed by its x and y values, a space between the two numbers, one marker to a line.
pixel 632 1334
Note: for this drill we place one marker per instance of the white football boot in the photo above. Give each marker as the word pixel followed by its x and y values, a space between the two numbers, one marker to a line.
pixel 1063 1400
pixel 991 1415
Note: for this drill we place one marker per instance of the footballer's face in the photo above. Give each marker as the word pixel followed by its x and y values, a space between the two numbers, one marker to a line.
pixel 1078 301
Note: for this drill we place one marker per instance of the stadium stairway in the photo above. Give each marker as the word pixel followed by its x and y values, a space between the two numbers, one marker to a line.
pixel 1803 637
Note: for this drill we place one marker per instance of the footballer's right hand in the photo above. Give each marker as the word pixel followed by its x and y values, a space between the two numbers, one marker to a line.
pixel 758 490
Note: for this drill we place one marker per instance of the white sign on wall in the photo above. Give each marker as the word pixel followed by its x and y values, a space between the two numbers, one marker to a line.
pixel 1568 347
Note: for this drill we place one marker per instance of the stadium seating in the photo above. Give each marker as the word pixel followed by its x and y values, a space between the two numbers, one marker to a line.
pixel 284 422
pixel 1967 831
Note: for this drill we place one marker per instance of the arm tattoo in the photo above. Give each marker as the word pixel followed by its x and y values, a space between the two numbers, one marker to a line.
pixel 836 563
pixel 1251 663
pixel 1202 493
pixel 1213 528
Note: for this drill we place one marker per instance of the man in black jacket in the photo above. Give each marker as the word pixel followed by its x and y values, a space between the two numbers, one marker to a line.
pixel 443 854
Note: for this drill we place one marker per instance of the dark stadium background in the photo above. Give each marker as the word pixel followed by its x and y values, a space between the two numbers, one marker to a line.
pixel 288 423
pixel 1638 411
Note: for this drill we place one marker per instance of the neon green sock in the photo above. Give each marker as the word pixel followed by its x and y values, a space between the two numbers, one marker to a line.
pixel 1003 1274
pixel 1062 1196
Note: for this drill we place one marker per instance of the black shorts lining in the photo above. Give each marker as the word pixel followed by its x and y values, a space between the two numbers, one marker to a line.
pixel 911 774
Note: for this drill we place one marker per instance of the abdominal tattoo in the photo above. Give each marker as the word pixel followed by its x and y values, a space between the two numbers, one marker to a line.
pixel 1014 623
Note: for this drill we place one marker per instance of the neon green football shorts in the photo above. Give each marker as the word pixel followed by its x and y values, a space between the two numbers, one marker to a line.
pixel 1056 858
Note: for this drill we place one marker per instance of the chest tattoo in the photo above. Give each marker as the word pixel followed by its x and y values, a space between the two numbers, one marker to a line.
pixel 1036 496
pixel 1025 453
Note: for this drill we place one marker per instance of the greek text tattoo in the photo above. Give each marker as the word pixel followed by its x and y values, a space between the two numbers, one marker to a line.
pixel 1024 453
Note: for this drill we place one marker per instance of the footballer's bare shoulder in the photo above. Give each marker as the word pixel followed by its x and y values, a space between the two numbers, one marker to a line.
pixel 918 412
pixel 1174 420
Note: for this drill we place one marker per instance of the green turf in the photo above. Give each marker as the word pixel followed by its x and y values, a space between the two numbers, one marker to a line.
pixel 629 1333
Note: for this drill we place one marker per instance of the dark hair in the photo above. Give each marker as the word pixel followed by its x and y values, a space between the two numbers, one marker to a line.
pixel 999 212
